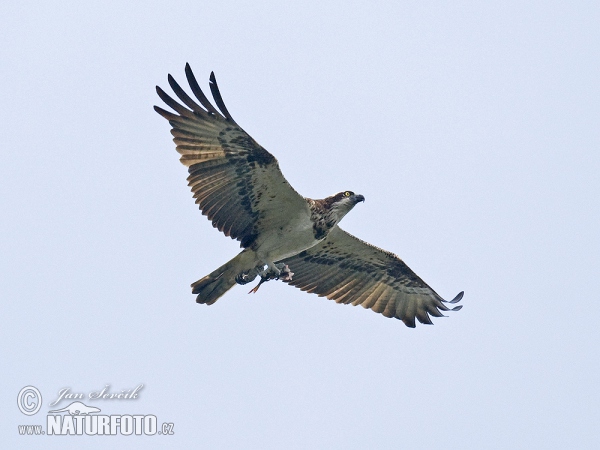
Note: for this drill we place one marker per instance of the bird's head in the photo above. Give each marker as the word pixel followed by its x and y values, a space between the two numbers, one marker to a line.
pixel 341 203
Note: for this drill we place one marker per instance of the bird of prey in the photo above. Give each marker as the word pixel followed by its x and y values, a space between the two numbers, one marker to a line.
pixel 238 185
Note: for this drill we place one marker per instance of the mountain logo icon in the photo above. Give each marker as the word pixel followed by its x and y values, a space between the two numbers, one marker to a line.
pixel 76 409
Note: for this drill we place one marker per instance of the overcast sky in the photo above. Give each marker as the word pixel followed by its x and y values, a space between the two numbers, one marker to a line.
pixel 472 129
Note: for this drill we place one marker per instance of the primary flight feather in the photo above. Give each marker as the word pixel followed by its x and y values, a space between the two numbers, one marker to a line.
pixel 238 185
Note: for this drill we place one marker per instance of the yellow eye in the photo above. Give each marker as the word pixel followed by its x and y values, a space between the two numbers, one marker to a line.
pixel 347 194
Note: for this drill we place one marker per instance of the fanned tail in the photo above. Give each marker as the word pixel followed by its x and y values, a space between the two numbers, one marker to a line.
pixel 210 288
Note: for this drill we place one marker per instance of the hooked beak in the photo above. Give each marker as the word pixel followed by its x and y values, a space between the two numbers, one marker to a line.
pixel 358 198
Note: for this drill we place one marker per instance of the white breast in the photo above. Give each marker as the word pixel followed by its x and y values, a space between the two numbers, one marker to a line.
pixel 281 243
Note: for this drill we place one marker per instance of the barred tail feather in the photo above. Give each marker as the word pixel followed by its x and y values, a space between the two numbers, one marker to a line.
pixel 212 287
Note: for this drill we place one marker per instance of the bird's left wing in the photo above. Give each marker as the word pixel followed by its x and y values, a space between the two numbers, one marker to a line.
pixel 236 183
pixel 348 270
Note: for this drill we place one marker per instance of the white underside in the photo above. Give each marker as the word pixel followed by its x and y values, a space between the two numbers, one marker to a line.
pixel 281 243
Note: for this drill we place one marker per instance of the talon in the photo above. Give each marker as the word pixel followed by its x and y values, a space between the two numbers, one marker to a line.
pixel 279 271
pixel 286 274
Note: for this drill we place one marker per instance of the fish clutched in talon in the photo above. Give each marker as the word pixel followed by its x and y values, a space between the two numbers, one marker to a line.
pixel 285 274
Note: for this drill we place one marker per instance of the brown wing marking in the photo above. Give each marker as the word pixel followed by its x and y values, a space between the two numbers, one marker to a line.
pixel 350 271
pixel 228 170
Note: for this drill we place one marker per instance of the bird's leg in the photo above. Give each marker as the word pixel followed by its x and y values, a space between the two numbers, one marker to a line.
pixel 274 271
pixel 279 271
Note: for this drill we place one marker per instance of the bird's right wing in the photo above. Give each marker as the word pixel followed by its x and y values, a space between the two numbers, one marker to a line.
pixel 236 183
pixel 348 270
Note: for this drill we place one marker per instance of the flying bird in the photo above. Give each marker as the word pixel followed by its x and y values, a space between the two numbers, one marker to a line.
pixel 238 185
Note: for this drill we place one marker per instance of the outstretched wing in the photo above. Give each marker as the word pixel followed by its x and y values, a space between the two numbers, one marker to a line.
pixel 236 183
pixel 345 269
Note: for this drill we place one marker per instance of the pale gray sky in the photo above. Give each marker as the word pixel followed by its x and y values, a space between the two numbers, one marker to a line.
pixel 472 129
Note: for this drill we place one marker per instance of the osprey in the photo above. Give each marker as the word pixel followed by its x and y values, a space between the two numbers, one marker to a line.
pixel 238 185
